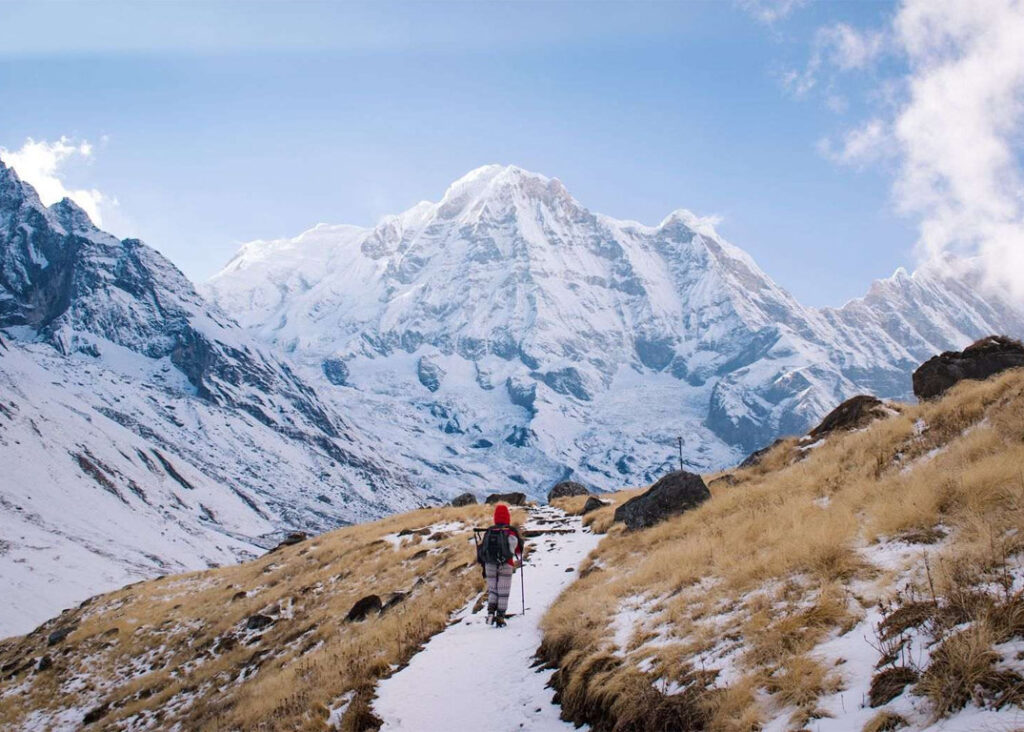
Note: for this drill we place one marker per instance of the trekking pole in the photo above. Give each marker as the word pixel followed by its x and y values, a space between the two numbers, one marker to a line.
pixel 522 579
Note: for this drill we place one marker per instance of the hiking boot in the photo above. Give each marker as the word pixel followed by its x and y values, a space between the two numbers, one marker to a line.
pixel 499 620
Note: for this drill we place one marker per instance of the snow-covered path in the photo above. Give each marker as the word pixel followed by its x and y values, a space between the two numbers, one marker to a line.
pixel 473 676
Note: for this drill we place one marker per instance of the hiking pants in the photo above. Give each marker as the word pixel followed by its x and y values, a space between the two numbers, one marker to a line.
pixel 499 584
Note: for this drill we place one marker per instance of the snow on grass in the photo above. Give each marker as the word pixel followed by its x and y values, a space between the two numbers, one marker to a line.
pixel 630 617
pixel 337 710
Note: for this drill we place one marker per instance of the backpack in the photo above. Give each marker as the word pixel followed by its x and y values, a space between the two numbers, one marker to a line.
pixel 494 548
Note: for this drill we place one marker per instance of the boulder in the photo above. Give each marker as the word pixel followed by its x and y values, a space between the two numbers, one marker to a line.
pixel 58 635
pixel 671 495
pixel 723 481
pixel 567 488
pixel 395 599
pixel 225 644
pixel 593 503
pixel 95 714
pixel 513 499
pixel 466 499
pixel 365 606
pixel 757 455
pixel 295 537
pixel 854 413
pixel 258 622
pixel 978 361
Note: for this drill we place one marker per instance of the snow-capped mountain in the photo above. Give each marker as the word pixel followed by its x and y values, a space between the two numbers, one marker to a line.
pixel 504 337
pixel 510 327
pixel 141 430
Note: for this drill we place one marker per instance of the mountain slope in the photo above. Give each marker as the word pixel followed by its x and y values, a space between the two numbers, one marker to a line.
pixel 510 318
pixel 142 430
pixel 885 593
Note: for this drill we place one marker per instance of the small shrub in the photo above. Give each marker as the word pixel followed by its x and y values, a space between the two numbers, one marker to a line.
pixel 885 722
pixel 889 684
pixel 962 669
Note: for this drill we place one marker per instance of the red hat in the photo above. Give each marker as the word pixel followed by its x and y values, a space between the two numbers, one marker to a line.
pixel 501 515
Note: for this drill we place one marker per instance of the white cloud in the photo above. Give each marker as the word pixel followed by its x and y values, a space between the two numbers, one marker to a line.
pixel 958 131
pixel 865 144
pixel 950 124
pixel 770 11
pixel 837 47
pixel 39 164
pixel 848 48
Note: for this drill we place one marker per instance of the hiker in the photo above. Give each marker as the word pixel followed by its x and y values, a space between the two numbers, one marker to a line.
pixel 498 552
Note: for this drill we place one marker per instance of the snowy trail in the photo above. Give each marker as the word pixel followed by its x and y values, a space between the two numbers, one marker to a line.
pixel 472 676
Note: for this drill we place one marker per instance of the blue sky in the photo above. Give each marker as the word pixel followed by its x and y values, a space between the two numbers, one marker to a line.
pixel 216 123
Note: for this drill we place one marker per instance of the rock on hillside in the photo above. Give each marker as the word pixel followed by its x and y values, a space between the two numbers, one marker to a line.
pixel 980 360
pixel 673 494
pixel 854 413
pixel 565 489
pixel 512 499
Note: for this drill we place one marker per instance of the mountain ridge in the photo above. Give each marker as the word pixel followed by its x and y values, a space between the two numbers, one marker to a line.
pixel 131 414
pixel 563 298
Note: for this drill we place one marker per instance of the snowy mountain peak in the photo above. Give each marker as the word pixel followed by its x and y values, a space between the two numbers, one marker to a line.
pixel 72 216
pixel 17 198
pixel 493 189
pixel 490 176
pixel 704 225
pixel 527 331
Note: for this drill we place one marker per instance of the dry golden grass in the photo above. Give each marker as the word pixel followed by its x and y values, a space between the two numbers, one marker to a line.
pixel 600 521
pixel 963 664
pixel 767 564
pixel 885 722
pixel 572 505
pixel 177 651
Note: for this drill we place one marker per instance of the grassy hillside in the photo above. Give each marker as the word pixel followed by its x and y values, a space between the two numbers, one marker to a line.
pixel 262 645
pixel 900 543
pixel 870 580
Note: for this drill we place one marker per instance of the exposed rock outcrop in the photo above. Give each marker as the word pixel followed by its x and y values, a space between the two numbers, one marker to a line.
pixel 567 488
pixel 295 537
pixel 671 495
pixel 365 606
pixel 513 499
pixel 430 373
pixel 593 503
pixel 854 413
pixel 979 360
pixel 723 481
pixel 58 635
pixel 758 455
pixel 258 622
pixel 465 499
